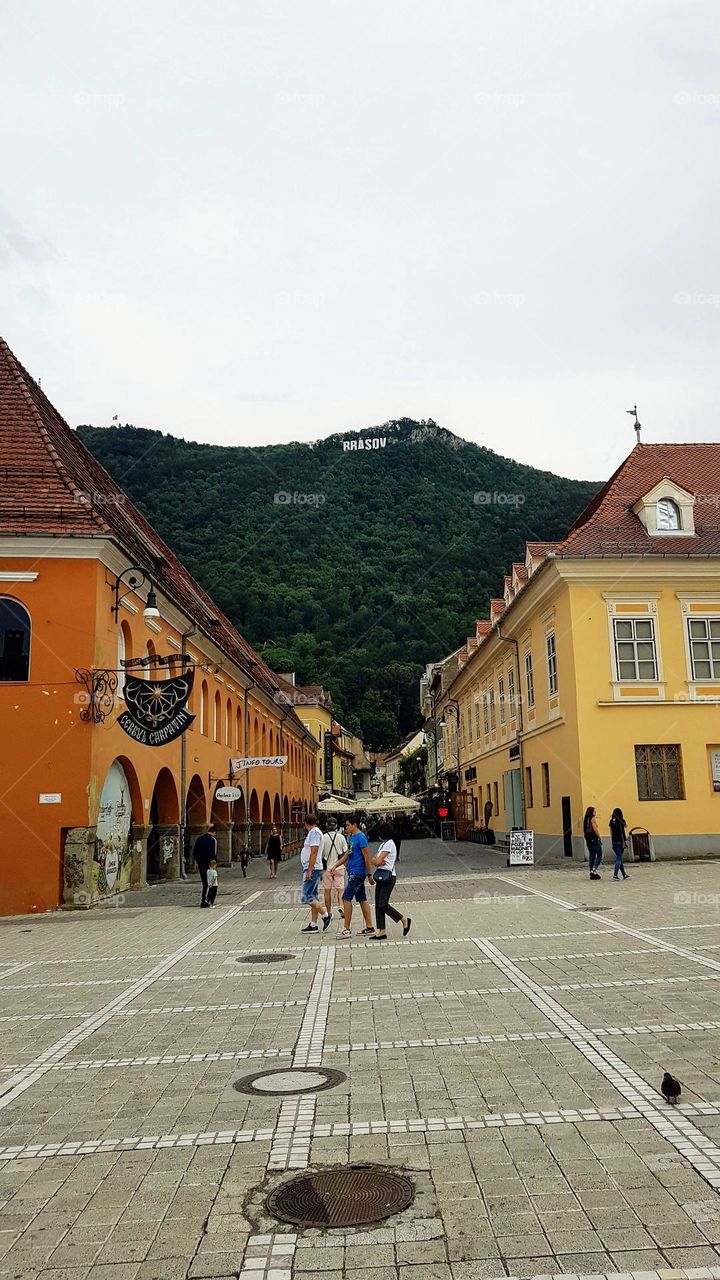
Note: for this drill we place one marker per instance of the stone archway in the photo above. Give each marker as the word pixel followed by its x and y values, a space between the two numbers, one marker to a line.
pixel 196 817
pixel 163 858
pixel 120 808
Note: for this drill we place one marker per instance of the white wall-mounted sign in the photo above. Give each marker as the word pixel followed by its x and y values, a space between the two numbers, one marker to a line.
pixel 50 797
pixel 715 766
pixel 258 762
pixel 228 794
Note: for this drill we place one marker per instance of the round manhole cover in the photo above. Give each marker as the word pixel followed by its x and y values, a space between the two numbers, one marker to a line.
pixel 266 957
pixel 348 1196
pixel 285 1080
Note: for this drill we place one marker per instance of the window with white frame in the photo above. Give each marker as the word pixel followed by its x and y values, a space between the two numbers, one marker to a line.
pixel 491 706
pixel 486 715
pixel 477 718
pixel 469 724
pixel 511 692
pixel 635 653
pixel 529 681
pixel 704 641
pixel 501 699
pixel 668 515
pixel 551 663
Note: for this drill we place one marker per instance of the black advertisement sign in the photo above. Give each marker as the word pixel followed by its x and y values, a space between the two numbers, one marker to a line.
pixel 328 759
pixel 156 709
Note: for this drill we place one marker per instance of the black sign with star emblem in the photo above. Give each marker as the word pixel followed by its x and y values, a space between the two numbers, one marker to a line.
pixel 157 709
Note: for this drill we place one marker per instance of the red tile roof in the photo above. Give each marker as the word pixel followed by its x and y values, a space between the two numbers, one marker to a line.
pixel 609 527
pixel 51 485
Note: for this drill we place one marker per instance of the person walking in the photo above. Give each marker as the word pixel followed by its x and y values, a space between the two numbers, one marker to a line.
pixel 311 863
pixel 273 851
pixel 385 880
pixel 591 833
pixel 618 837
pixel 205 852
pixel 244 860
pixel 334 847
pixel 359 869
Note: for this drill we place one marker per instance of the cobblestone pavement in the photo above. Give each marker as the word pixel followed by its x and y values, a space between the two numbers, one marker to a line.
pixel 507 1056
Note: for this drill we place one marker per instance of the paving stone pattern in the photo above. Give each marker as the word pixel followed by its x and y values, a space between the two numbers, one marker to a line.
pixel 507 1056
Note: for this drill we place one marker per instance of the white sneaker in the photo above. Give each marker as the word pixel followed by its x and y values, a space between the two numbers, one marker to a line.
pixel 344 933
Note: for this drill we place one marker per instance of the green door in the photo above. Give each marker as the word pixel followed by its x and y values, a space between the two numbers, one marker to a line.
pixel 512 798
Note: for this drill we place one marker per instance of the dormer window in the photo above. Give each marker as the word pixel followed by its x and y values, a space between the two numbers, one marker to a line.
pixel 667 511
pixel 668 516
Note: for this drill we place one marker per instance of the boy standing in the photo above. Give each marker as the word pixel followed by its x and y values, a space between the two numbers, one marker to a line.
pixel 212 883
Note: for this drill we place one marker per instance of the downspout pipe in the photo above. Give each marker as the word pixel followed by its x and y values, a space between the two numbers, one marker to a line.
pixel 184 637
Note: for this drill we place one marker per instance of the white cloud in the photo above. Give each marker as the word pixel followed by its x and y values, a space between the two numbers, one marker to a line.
pixel 272 222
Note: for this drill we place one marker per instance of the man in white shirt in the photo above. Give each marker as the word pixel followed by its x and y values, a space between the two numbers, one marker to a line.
pixel 311 862
pixel 334 846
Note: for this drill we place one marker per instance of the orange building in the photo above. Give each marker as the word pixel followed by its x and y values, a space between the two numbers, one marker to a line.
pixel 102 627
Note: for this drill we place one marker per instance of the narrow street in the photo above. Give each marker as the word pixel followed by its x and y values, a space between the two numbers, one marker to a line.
pixel 507 1057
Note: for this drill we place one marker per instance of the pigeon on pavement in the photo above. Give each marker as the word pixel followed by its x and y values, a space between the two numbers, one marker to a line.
pixel 671 1089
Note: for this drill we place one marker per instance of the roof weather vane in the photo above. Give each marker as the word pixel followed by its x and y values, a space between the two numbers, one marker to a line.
pixel 633 413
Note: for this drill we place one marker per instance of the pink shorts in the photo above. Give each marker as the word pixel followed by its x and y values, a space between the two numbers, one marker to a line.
pixel 335 879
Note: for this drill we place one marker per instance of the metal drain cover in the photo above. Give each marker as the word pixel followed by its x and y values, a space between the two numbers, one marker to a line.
pixel 350 1195
pixel 286 1080
pixel 266 957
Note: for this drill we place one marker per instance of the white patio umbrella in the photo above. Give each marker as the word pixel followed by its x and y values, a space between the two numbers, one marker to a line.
pixel 393 802
pixel 335 804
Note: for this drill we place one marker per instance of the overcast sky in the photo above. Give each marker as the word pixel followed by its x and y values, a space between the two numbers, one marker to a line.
pixel 247 222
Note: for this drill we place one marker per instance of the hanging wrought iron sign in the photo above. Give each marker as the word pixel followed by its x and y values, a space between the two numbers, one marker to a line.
pixel 157 709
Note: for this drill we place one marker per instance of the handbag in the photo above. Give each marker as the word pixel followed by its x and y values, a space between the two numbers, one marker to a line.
pixel 382 873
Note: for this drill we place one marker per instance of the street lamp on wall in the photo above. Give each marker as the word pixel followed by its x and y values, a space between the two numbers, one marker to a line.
pixel 135 581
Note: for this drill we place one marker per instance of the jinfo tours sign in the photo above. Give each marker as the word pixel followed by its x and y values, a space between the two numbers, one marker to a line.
pixel 157 709
pixel 258 762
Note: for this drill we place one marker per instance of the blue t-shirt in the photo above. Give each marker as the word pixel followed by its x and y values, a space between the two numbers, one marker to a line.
pixel 356 861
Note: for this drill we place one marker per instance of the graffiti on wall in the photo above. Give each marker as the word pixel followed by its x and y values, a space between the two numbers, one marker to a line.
pixel 112 865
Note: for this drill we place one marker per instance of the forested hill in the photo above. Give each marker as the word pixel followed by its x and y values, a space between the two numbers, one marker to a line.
pixel 351 564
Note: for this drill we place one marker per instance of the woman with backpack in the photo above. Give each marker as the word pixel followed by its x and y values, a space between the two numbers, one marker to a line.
pixel 594 843
pixel 618 828
pixel 385 881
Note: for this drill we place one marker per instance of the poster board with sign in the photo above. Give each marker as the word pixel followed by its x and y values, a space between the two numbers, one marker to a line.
pixel 522 848
pixel 715 768
pixel 447 831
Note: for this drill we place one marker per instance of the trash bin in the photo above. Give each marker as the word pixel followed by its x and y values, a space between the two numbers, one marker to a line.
pixel 642 849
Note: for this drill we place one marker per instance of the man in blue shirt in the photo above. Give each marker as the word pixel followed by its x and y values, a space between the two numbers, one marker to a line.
pixel 359 867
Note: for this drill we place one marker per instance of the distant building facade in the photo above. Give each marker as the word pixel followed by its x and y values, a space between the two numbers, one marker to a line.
pixel 89 807
pixel 595 680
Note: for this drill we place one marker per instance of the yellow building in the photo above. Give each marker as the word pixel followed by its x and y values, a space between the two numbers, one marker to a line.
pixel 313 706
pixel 596 678
pixel 343 757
